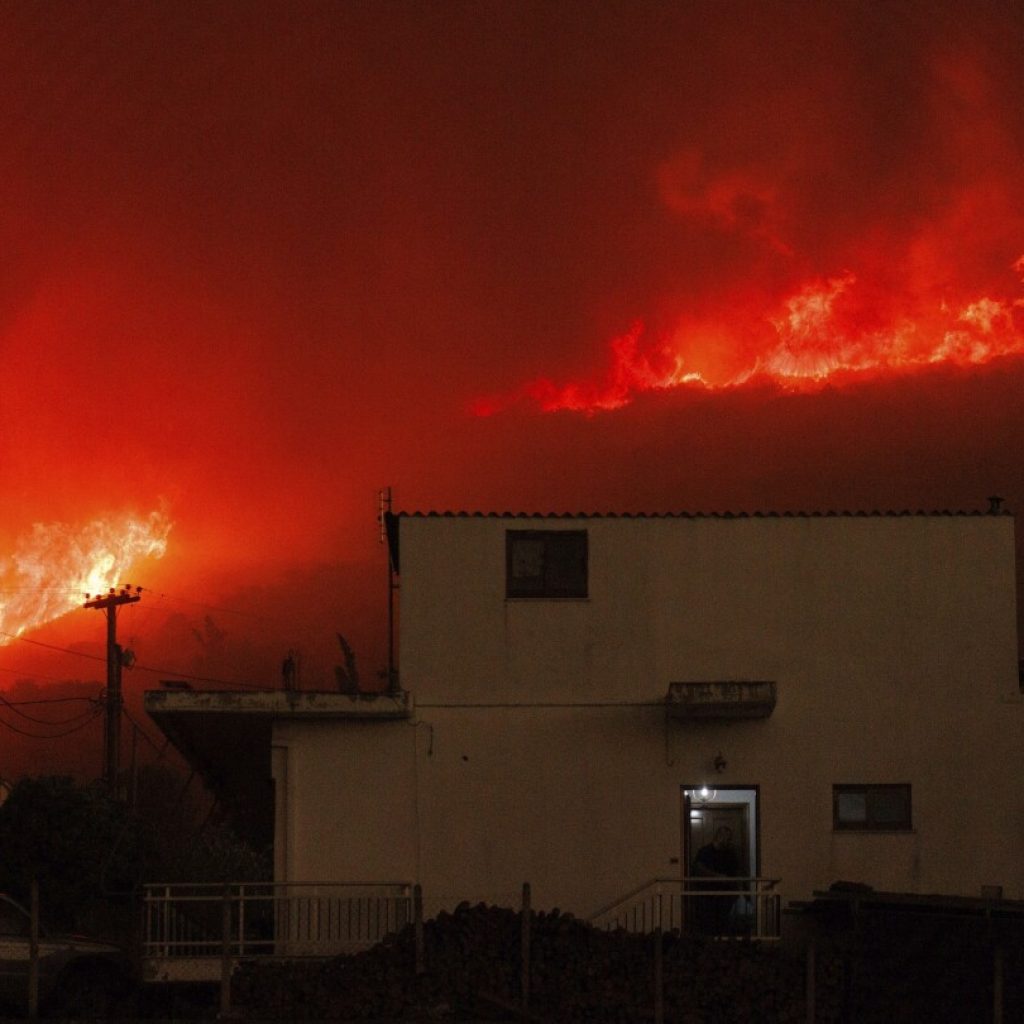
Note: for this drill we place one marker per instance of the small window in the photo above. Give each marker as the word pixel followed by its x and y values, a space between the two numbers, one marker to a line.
pixel 546 563
pixel 884 808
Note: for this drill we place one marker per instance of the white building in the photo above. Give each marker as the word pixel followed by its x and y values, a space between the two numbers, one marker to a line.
pixel 584 698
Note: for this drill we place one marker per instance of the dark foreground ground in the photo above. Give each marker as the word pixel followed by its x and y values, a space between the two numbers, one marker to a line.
pixel 885 969
pixel 881 970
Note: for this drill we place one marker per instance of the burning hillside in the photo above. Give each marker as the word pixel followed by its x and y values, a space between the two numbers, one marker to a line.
pixel 55 565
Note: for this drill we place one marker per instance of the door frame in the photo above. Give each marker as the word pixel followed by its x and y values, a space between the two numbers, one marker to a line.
pixel 686 805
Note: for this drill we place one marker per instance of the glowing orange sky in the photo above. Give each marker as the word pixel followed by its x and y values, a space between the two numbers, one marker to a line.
pixel 261 259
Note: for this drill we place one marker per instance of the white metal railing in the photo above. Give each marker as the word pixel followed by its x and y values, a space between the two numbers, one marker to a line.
pixel 720 908
pixel 239 919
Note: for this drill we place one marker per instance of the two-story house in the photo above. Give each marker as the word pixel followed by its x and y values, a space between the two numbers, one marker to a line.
pixel 586 700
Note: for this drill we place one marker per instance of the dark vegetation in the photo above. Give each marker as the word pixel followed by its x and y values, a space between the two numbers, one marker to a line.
pixel 887 971
pixel 91 852
pixel 578 974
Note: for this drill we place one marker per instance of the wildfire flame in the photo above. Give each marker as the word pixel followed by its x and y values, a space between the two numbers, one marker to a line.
pixel 822 333
pixel 55 565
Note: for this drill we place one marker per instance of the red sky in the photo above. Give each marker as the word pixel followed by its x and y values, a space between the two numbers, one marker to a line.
pixel 261 259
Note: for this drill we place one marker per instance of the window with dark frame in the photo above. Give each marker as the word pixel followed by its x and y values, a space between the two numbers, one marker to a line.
pixel 871 808
pixel 545 563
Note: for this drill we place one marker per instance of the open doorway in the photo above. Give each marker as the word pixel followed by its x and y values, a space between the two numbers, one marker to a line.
pixel 706 809
pixel 721 860
pixel 732 898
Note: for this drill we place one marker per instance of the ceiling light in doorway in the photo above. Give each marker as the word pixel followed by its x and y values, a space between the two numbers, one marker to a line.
pixel 703 796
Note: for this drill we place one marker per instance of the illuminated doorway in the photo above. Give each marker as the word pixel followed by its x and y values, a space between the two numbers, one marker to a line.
pixel 706 810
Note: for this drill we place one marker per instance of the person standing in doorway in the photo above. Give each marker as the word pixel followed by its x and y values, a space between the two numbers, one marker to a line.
pixel 716 862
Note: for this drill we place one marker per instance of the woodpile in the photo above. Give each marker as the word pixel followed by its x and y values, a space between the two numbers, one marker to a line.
pixel 472 971
pixel 904 970
pixel 891 970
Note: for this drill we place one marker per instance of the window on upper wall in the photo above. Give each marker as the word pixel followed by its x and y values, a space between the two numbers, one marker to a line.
pixel 871 808
pixel 545 563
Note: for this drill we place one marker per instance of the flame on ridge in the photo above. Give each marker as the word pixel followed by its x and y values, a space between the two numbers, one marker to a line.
pixel 821 334
pixel 55 565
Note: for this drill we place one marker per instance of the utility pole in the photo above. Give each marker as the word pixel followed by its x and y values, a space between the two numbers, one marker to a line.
pixel 109 603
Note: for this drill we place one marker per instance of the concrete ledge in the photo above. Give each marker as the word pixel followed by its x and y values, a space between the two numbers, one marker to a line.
pixel 718 700
pixel 280 703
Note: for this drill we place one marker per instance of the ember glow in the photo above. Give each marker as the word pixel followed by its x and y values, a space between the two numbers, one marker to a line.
pixel 55 565
pixel 815 337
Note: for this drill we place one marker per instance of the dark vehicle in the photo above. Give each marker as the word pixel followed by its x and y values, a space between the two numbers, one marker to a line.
pixel 78 976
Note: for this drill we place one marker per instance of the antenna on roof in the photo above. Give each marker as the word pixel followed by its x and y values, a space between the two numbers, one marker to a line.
pixel 384 510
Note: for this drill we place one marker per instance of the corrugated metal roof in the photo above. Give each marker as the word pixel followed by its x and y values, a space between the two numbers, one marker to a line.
pixel 392 518
pixel 817 514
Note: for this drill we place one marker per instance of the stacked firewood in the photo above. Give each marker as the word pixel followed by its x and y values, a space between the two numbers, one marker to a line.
pixel 903 970
pixel 896 971
pixel 473 970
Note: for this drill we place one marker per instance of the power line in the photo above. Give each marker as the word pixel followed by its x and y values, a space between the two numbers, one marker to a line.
pixel 56 735
pixel 212 607
pixel 46 700
pixel 51 647
pixel 145 735
pixel 26 673
pixel 139 618
pixel 254 616
pixel 47 721
pixel 40 590
pixel 172 672
pixel 137 665
pixel 149 609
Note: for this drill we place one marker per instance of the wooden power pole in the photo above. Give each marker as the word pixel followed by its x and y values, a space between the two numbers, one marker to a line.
pixel 109 603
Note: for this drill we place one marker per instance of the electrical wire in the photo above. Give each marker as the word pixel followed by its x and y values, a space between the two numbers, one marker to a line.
pixel 145 735
pixel 47 700
pixel 137 609
pixel 52 647
pixel 146 668
pixel 53 736
pixel 175 674
pixel 137 666
pixel 175 599
pixel 45 721
pixel 41 590
pixel 27 673
pixel 139 617
pixel 210 607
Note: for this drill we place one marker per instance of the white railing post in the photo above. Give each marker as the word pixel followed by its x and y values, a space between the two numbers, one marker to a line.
pixel 318 919
pixel 643 909
pixel 165 924
pixel 659 968
pixel 241 919
pixel 417 914
pixel 225 953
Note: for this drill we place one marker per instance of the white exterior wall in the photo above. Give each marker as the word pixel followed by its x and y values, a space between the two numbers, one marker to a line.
pixel 892 641
pixel 344 801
